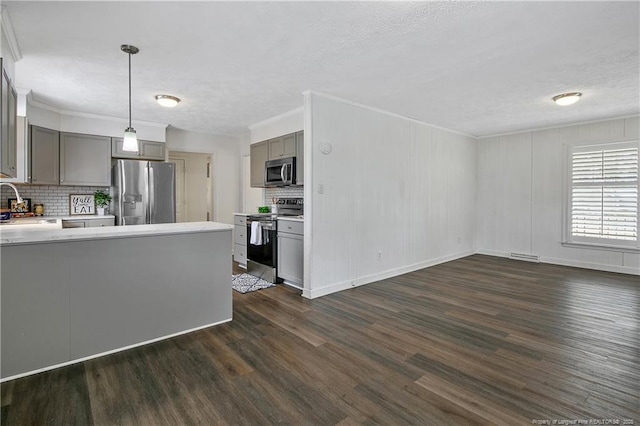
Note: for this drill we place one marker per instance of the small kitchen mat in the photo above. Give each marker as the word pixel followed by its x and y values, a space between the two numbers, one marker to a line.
pixel 245 283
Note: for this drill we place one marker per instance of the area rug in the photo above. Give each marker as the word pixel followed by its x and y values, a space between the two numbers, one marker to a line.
pixel 245 283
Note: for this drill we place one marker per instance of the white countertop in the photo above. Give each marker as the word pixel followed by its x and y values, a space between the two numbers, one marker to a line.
pixel 291 218
pixel 80 217
pixel 10 235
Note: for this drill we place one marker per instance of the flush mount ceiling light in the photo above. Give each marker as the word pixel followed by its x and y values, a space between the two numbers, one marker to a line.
pixel 167 100
pixel 567 98
pixel 130 140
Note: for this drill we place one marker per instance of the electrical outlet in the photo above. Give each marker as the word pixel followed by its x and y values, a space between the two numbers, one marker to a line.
pixel 379 254
pixel 321 189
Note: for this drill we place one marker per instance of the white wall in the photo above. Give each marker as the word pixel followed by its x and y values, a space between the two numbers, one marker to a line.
pixel 225 151
pixel 66 121
pixel 520 194
pixel 394 195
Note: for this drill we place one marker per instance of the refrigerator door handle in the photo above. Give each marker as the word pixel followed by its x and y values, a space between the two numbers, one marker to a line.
pixel 151 190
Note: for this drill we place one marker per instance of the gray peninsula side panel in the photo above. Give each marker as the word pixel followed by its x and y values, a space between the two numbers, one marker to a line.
pixel 34 307
pixel 132 290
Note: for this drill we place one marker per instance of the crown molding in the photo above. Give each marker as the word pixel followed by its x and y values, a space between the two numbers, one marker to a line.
pixel 277 118
pixel 382 111
pixel 7 29
pixel 31 101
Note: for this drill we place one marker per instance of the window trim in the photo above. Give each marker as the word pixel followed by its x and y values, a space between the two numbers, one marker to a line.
pixel 569 240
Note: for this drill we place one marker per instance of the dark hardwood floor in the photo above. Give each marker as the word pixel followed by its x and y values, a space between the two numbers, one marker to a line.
pixel 480 340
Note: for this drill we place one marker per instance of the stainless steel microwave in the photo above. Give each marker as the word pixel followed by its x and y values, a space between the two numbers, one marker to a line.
pixel 280 172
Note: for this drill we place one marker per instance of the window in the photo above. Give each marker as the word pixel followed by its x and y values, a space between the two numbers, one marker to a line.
pixel 604 194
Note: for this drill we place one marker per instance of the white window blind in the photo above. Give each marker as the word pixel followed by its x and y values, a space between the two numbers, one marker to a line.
pixel 604 193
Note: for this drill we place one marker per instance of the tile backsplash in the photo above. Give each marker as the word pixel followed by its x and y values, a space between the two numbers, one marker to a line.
pixel 55 198
pixel 283 192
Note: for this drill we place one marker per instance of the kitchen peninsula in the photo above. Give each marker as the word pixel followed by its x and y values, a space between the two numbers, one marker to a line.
pixel 74 294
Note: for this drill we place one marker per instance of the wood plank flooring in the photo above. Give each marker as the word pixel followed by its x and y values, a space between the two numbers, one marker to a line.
pixel 480 340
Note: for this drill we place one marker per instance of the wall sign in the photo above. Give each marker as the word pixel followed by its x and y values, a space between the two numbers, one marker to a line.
pixel 81 204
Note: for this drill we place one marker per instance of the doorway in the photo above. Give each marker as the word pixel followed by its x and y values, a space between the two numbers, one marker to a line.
pixel 193 186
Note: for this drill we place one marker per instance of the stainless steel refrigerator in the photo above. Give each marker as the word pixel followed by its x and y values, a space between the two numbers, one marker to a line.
pixel 143 192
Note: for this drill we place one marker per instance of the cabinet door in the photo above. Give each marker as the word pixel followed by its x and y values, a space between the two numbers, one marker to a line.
pixel 96 223
pixel 148 150
pixel 45 156
pixel 73 223
pixel 300 158
pixel 85 160
pixel 7 127
pixel 151 150
pixel 259 155
pixel 282 147
pixel 290 257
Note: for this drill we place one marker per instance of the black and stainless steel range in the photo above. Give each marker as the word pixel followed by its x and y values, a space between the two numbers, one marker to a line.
pixel 262 239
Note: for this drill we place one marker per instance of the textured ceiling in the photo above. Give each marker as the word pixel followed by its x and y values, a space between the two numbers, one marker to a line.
pixel 480 68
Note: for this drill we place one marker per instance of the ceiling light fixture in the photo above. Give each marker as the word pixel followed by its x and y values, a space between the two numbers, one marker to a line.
pixel 167 100
pixel 130 140
pixel 567 98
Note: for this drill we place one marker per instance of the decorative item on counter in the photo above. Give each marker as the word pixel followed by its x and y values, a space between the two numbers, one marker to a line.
pixel 102 200
pixel 19 209
pixel 38 209
pixel 5 215
pixel 81 204
pixel 264 209
pixel 274 205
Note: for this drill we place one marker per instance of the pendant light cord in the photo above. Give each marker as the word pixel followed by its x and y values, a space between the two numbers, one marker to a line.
pixel 129 89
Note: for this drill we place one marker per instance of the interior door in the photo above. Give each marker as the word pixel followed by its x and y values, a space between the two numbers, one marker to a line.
pixel 181 204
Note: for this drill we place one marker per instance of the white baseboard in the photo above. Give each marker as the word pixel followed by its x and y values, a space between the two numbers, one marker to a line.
pixel 572 263
pixel 135 345
pixel 588 265
pixel 344 285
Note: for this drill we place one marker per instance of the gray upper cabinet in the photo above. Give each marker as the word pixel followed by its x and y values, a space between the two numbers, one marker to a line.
pixel 45 156
pixel 282 147
pixel 299 158
pixel 148 150
pixel 85 160
pixel 259 154
pixel 8 110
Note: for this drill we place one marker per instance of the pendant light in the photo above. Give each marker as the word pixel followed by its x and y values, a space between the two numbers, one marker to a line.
pixel 130 140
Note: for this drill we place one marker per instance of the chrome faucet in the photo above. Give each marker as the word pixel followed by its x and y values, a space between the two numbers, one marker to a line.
pixel 19 199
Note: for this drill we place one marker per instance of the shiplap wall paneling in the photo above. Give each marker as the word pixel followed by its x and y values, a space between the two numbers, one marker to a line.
pixel 334 195
pixel 549 179
pixel 460 168
pixel 381 208
pixel 504 194
pixel 422 168
pixel 397 194
pixel 502 169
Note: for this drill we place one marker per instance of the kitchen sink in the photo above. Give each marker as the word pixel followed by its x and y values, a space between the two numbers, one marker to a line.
pixel 32 223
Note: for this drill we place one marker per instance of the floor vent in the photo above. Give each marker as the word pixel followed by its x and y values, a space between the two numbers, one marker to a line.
pixel 525 257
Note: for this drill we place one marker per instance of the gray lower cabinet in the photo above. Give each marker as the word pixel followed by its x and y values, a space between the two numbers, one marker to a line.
pixel 147 150
pixel 300 158
pixel 259 155
pixel 88 223
pixel 291 252
pixel 85 160
pixel 240 240
pixel 45 156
